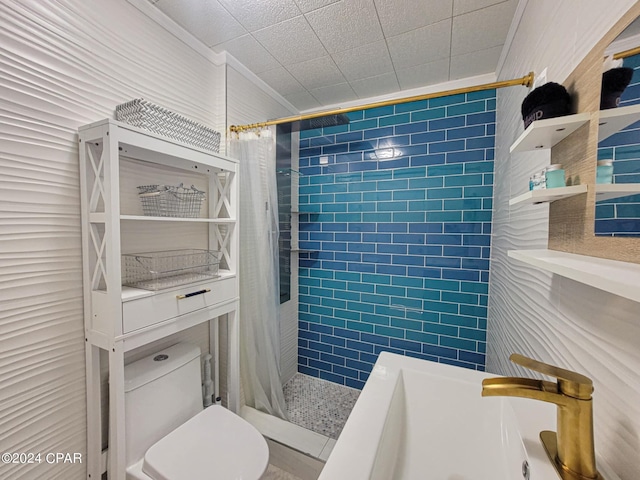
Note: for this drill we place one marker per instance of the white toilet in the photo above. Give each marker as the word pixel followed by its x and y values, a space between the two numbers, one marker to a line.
pixel 171 437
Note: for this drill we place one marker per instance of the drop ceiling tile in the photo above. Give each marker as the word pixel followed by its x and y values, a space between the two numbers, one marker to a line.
pixel 334 94
pixel 250 53
pixel 364 61
pixel 302 101
pixel 346 24
pixel 291 41
pixel 374 86
pixel 420 46
pixel 422 75
pixel 308 5
pixel 475 63
pixel 207 20
pixel 282 81
pixel 254 15
pixel 316 73
pixel 466 6
pixel 482 29
pixel 401 16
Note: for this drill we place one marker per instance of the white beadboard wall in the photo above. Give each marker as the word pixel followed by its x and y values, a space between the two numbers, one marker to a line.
pixel 65 63
pixel 536 313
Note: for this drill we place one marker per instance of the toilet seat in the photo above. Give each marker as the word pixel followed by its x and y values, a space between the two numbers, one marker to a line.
pixel 215 444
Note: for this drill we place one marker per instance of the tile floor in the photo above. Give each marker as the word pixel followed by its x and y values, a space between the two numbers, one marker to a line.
pixel 319 405
pixel 275 473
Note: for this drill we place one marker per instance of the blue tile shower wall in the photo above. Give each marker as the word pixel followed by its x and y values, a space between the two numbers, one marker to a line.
pixel 620 217
pixel 395 230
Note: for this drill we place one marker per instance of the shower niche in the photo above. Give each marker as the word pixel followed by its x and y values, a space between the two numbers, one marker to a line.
pixel 284 174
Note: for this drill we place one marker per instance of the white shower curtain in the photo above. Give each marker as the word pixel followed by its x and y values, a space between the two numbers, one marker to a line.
pixel 259 282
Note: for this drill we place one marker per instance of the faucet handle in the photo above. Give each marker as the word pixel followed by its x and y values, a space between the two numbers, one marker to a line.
pixel 570 383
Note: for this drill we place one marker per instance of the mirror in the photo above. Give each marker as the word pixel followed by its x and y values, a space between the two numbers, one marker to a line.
pixel 618 171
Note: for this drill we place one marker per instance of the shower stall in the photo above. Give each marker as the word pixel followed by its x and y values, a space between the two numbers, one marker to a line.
pixel 269 290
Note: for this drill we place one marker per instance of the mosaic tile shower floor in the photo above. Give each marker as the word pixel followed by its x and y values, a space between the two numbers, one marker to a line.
pixel 319 405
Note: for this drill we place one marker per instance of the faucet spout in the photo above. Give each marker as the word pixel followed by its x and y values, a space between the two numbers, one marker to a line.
pixel 524 388
pixel 571 449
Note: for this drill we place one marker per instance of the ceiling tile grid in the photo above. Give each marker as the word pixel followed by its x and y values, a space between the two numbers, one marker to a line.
pixel 323 52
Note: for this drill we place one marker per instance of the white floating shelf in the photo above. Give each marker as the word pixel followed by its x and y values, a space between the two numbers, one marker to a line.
pixel 608 191
pixel 615 119
pixel 176 219
pixel 548 195
pixel 546 133
pixel 619 278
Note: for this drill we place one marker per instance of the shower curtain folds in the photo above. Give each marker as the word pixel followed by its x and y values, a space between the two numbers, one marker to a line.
pixel 259 295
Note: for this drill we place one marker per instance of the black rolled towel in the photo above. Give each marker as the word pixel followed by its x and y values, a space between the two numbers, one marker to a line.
pixel 614 82
pixel 547 101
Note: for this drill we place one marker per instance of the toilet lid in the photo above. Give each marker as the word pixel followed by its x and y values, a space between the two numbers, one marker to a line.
pixel 214 444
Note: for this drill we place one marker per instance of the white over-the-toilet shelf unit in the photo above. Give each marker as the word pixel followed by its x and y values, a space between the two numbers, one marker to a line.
pixel 115 158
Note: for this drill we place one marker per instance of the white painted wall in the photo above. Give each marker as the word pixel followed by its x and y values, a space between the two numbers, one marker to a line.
pixel 65 63
pixel 533 312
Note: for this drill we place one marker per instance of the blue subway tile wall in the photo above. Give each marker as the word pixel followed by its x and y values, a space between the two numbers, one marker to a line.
pixel 395 236
pixel 621 216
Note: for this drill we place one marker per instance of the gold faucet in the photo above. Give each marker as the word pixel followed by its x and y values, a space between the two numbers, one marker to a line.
pixel 571 450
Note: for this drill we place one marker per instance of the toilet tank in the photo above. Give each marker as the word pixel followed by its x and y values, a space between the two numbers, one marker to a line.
pixel 162 391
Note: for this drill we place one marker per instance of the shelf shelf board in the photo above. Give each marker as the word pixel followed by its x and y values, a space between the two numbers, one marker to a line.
pixel 619 278
pixel 546 133
pixel 131 293
pixel 609 191
pixel 615 119
pixel 148 146
pixel 548 195
pixel 176 219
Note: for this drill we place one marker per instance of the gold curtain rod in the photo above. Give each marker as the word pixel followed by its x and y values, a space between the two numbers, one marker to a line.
pixel 626 53
pixel 527 81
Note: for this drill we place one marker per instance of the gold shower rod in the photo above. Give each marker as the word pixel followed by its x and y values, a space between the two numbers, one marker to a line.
pixel 626 53
pixel 527 81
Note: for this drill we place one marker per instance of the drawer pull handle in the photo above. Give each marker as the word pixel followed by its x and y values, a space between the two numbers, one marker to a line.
pixel 193 294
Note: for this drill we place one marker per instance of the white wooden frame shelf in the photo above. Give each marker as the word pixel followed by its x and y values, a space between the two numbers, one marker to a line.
pixel 143 218
pixel 548 195
pixel 546 133
pixel 119 319
pixel 619 278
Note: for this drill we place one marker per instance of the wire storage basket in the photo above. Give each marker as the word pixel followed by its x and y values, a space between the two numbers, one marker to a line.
pixel 169 268
pixel 170 201
pixel 154 118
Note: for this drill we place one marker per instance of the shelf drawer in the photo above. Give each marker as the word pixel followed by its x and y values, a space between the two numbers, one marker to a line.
pixel 146 311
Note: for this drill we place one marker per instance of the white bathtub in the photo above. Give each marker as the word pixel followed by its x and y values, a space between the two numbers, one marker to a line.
pixel 419 420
